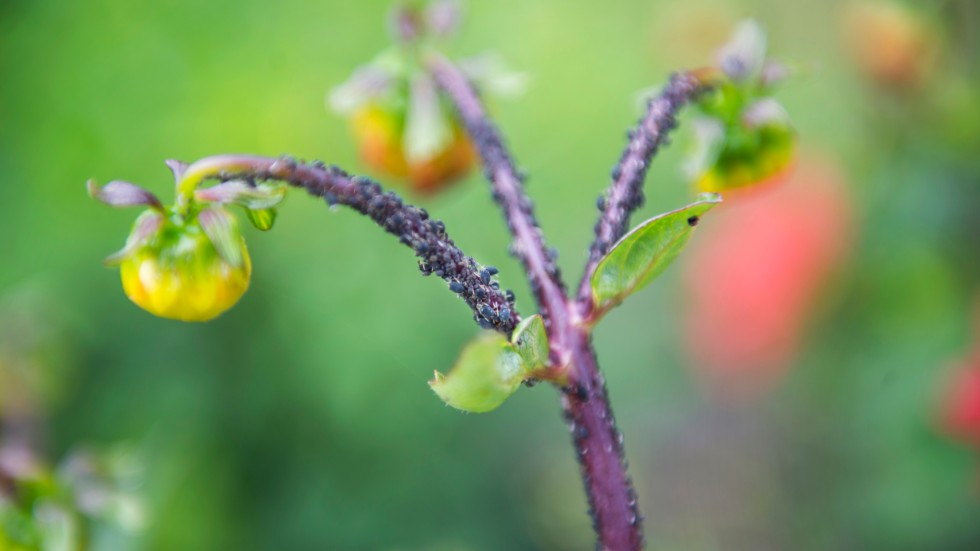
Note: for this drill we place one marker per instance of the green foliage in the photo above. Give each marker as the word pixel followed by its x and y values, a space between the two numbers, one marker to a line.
pixel 531 342
pixel 744 136
pixel 487 372
pixel 645 252
pixel 262 219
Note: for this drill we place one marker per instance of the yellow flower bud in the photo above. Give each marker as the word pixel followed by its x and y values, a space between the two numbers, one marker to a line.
pixel 179 274
pixel 740 165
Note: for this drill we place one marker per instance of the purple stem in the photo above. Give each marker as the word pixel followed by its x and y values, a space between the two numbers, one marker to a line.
pixel 508 192
pixel 492 309
pixel 598 444
pixel 625 193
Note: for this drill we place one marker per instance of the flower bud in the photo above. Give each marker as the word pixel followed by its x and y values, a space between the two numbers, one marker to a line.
pixel 380 134
pixel 178 272
pixel 745 136
pixel 892 44
pixel 746 156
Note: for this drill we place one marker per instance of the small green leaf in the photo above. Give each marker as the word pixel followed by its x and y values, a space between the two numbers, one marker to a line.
pixel 250 196
pixel 262 219
pixel 645 252
pixel 487 372
pixel 531 341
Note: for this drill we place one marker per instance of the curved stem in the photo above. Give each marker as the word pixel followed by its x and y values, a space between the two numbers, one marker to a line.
pixel 508 191
pixel 437 253
pixel 598 444
pixel 625 193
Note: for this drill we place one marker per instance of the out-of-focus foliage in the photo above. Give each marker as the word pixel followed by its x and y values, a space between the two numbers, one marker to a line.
pixel 744 136
pixel 300 419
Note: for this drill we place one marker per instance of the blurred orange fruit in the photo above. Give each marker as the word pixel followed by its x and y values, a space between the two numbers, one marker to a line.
pixel 380 136
pixel 891 43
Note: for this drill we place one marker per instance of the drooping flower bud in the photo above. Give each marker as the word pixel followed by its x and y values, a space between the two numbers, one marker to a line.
pixel 401 126
pixel 188 271
pixel 187 262
pixel 751 151
pixel 744 136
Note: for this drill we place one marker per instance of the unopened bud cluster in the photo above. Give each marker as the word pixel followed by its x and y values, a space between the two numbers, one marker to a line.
pixel 188 261
pixel 744 136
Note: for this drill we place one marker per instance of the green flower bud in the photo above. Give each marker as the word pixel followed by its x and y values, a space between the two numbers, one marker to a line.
pixel 188 270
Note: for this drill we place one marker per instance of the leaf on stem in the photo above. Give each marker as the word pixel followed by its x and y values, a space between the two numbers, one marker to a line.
pixel 645 252
pixel 237 192
pixel 531 341
pixel 487 372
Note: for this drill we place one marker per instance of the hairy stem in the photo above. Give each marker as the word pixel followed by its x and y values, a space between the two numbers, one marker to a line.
pixel 492 309
pixel 508 192
pixel 598 443
pixel 625 193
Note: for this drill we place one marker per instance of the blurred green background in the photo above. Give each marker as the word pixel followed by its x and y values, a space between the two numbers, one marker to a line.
pixel 301 419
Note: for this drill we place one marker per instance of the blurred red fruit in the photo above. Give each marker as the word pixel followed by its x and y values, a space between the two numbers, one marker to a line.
pixel 755 272
pixel 961 403
pixel 960 409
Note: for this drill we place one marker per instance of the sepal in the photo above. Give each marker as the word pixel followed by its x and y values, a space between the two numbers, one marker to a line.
pixel 123 194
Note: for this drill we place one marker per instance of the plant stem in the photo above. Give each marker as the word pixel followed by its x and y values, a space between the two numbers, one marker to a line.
pixel 625 193
pixel 437 253
pixel 598 443
pixel 508 192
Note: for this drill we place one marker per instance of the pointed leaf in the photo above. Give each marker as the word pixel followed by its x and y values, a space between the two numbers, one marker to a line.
pixel 262 219
pixel 442 17
pixel 366 84
pixel 262 196
pixel 708 141
pixel 145 227
pixel 222 229
pixel 745 53
pixel 765 111
pixel 494 75
pixel 177 168
pixel 645 252
pixel 427 129
pixel 487 372
pixel 123 194
pixel 531 341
